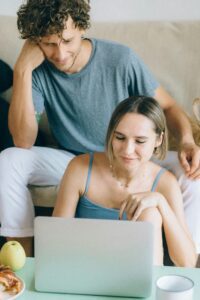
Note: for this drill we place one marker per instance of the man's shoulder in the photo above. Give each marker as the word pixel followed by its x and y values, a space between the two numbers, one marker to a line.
pixel 109 45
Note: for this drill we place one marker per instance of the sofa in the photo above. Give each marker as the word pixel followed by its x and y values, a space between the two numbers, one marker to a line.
pixel 170 49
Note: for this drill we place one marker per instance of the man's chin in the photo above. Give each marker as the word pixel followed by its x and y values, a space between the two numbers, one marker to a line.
pixel 62 68
pixel 59 66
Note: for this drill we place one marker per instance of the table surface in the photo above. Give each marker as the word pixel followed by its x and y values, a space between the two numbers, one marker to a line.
pixel 27 274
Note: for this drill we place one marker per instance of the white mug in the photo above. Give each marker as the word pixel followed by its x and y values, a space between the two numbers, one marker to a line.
pixel 174 287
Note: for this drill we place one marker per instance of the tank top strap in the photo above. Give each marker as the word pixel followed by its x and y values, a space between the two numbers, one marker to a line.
pixel 162 170
pixel 89 173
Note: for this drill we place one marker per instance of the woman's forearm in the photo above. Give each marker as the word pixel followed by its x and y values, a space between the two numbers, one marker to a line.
pixel 180 246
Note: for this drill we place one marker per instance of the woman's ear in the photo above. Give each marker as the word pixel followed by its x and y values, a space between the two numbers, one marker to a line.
pixel 159 140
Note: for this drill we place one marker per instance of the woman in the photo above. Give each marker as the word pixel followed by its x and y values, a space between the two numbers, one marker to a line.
pixel 123 182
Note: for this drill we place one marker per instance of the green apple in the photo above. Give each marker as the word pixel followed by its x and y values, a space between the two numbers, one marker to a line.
pixel 13 255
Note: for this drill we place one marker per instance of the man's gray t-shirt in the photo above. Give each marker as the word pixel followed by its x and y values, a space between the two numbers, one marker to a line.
pixel 79 105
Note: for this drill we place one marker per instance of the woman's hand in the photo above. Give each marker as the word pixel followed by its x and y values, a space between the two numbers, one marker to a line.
pixel 135 204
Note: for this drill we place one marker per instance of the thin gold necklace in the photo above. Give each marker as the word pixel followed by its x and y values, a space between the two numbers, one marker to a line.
pixel 114 175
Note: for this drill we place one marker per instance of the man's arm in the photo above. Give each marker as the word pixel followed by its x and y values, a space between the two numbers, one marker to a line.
pixel 179 125
pixel 22 120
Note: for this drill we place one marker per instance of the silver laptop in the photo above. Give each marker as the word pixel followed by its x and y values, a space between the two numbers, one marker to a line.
pixel 93 257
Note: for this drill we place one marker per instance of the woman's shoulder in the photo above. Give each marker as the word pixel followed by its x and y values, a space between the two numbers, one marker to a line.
pixel 156 169
pixel 167 182
pixel 165 176
pixel 76 172
pixel 83 160
pixel 80 161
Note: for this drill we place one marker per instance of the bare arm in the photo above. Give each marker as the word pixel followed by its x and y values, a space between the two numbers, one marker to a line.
pixel 72 187
pixel 168 201
pixel 180 244
pixel 177 121
pixel 179 125
pixel 22 120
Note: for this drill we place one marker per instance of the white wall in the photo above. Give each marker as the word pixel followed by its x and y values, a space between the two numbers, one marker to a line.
pixel 120 10
pixel 9 7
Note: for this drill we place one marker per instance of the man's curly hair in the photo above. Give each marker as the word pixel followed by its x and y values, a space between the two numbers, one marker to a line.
pixel 39 18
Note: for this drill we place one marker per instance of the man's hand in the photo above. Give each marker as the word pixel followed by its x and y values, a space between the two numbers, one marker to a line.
pixel 189 156
pixel 179 124
pixel 30 58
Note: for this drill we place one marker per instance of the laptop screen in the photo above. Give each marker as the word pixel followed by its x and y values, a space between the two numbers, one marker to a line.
pixel 93 257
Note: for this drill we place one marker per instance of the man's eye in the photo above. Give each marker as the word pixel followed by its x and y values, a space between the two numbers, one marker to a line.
pixel 66 41
pixel 140 142
pixel 48 45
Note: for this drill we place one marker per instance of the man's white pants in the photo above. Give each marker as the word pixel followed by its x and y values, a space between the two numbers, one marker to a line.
pixel 45 166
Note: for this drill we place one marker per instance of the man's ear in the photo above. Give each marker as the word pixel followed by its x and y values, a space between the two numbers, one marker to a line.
pixel 83 31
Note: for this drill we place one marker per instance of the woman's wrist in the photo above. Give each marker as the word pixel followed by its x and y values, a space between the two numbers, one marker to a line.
pixel 161 200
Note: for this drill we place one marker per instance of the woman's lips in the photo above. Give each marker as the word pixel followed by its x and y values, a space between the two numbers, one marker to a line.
pixel 128 159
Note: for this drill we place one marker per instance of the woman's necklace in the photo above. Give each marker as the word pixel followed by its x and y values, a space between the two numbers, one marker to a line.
pixel 114 175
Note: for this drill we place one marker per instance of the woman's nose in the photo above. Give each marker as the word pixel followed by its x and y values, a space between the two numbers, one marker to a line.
pixel 129 147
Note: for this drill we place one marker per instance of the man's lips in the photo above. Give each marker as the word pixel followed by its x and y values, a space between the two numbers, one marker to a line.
pixel 61 62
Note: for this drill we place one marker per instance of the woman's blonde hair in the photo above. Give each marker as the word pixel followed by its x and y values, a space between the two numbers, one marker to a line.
pixel 147 107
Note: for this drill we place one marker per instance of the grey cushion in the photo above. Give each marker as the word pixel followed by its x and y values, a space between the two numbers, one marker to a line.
pixel 43 196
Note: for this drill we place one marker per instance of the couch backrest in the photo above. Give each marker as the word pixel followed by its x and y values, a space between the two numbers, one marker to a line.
pixel 170 49
pixel 10 42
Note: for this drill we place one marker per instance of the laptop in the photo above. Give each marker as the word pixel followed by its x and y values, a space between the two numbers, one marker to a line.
pixel 93 257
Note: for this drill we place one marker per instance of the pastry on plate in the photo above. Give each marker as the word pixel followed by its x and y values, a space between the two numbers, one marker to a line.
pixel 9 282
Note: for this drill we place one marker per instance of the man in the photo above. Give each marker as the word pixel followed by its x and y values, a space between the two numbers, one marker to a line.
pixel 79 83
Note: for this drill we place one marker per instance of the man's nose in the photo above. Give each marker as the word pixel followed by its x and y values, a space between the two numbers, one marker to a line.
pixel 60 52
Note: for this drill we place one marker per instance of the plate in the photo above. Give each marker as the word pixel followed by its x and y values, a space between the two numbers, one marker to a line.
pixel 7 296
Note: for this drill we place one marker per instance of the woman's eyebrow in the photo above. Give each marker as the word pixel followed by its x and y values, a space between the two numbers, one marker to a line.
pixel 138 137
